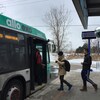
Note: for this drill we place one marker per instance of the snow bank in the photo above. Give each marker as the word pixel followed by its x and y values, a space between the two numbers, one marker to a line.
pixel 93 70
pixel 96 64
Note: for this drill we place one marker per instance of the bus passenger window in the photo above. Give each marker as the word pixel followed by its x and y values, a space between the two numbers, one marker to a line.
pixel 1 35
pixel 3 57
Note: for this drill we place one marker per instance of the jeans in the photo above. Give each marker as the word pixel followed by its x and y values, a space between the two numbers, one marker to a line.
pixel 85 77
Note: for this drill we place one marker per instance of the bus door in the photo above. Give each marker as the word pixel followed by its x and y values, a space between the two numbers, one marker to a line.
pixel 31 53
pixel 41 73
pixel 34 71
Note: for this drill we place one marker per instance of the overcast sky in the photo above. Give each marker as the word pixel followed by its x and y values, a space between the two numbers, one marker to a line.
pixel 31 12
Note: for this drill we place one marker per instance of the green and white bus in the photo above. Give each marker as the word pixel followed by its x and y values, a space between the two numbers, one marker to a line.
pixel 18 42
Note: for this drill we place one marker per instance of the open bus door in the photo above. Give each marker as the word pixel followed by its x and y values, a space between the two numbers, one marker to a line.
pixel 41 45
pixel 31 47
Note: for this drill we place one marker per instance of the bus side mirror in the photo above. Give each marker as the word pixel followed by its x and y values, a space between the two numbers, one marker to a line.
pixel 54 48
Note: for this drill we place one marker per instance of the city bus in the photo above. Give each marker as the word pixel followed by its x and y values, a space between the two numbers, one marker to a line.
pixel 18 43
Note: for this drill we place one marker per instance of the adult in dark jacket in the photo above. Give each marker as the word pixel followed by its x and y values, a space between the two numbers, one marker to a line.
pixel 86 64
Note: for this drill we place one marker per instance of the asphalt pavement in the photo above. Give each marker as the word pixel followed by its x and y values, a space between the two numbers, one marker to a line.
pixel 50 92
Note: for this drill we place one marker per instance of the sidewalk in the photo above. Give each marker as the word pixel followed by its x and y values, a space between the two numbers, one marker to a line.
pixel 49 92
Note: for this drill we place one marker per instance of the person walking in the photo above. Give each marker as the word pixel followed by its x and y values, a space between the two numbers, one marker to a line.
pixel 86 65
pixel 62 71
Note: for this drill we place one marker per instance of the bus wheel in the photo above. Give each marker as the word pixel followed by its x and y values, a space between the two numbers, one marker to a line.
pixel 13 91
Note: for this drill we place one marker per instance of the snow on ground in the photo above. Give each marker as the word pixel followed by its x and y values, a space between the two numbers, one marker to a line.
pixel 53 58
pixel 93 70
pixel 95 64
pixel 78 61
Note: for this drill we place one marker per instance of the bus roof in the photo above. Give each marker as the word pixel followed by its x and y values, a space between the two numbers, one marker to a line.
pixel 18 26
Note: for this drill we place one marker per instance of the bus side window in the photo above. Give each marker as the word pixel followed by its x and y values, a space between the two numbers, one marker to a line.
pixel 3 52
pixel 12 52
pixel 3 57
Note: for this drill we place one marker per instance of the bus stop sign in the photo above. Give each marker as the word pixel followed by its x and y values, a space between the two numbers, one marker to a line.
pixel 88 35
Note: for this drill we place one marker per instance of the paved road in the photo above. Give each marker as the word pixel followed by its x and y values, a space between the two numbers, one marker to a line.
pixel 49 92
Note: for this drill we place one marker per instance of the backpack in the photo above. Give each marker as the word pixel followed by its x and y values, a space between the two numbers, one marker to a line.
pixel 67 65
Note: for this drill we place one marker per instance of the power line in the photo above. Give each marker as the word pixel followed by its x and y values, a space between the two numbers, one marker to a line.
pixel 69 25
pixel 3 1
pixel 24 3
pixel 88 25
pixel 6 1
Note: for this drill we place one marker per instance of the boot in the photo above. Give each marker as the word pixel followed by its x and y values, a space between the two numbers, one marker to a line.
pixel 95 87
pixel 69 87
pixel 84 88
pixel 60 89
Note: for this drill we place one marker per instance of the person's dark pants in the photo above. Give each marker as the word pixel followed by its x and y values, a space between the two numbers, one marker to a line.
pixel 63 81
pixel 39 74
pixel 85 77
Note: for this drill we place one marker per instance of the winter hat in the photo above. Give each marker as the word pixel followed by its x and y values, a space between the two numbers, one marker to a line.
pixel 60 53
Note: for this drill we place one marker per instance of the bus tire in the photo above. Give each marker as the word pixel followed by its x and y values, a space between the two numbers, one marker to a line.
pixel 13 91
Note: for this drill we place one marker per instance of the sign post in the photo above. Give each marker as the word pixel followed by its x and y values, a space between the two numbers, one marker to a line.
pixel 88 35
pixel 89 47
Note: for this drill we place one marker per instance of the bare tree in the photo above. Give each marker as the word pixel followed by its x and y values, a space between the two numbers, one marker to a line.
pixel 58 20
pixel 1 9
